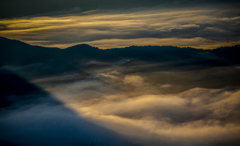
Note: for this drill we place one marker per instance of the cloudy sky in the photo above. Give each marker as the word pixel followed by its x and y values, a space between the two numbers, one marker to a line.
pixel 119 23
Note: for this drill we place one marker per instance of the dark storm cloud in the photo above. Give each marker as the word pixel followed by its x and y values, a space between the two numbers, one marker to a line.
pixel 18 8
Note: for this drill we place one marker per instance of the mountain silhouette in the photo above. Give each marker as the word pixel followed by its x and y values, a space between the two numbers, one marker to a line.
pixel 43 61
pixel 16 91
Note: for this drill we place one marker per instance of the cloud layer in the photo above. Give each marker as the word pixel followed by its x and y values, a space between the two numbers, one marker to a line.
pixel 199 28
pixel 145 107
pixel 15 8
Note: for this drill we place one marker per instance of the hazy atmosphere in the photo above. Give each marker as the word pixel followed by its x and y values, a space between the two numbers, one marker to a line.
pixel 119 73
pixel 121 23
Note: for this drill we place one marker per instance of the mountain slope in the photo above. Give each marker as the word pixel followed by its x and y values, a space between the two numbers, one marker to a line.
pixel 52 61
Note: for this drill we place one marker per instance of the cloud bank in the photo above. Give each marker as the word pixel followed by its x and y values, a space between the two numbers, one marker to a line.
pixel 199 28
pixel 158 107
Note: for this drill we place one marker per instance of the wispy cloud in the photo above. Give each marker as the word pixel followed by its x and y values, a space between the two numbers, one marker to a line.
pixel 13 9
pixel 197 28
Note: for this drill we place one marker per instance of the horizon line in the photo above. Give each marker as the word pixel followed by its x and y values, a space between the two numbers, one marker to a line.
pixel 123 46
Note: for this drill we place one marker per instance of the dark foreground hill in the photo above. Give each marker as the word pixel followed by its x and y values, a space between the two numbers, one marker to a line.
pixel 31 116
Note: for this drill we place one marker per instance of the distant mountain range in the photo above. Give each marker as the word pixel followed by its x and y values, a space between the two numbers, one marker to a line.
pixel 49 61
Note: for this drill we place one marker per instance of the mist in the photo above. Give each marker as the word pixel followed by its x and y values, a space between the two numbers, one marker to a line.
pixel 138 95
pixel 158 107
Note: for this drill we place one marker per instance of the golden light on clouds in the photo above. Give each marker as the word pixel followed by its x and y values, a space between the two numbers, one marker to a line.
pixel 198 43
pixel 148 86
pixel 195 114
pixel 192 28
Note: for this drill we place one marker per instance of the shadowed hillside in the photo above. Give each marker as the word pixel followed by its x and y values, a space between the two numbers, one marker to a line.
pixel 31 116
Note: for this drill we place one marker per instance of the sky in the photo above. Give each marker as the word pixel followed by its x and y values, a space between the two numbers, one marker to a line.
pixel 108 24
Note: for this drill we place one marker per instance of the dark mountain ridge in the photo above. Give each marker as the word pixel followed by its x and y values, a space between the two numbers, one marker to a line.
pixel 50 61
